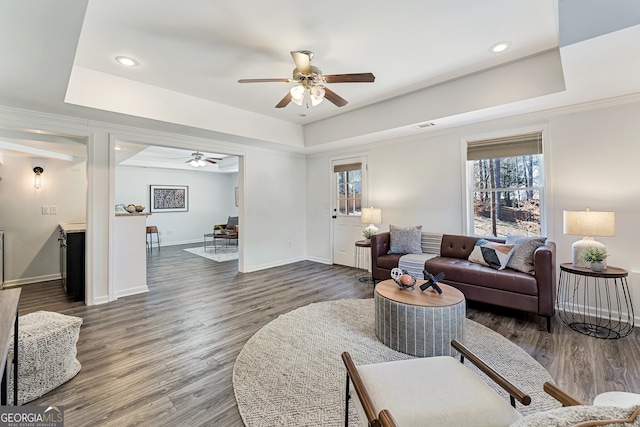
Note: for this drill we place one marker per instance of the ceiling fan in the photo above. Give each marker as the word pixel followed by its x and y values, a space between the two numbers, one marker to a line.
pixel 199 160
pixel 310 86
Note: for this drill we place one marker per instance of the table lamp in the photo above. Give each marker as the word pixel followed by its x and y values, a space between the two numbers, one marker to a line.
pixel 371 216
pixel 588 224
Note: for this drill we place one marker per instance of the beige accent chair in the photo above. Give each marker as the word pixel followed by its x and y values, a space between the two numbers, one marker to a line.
pixel 439 391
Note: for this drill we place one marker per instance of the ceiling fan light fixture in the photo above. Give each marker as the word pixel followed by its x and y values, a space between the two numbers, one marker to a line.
pixel 297 94
pixel 197 163
pixel 317 95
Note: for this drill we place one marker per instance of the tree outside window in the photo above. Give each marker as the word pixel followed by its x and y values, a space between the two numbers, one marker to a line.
pixel 349 192
pixel 507 195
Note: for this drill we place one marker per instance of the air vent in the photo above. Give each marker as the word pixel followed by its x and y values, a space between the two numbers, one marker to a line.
pixel 425 125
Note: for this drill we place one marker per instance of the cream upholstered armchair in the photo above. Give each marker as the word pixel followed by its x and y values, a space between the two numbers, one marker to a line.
pixel 439 391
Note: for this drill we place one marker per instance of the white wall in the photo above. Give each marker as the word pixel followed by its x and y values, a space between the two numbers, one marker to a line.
pixel 274 209
pixel 31 239
pixel 211 200
pixel 593 161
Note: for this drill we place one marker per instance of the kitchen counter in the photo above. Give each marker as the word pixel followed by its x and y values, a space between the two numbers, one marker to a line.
pixel 73 227
pixel 133 214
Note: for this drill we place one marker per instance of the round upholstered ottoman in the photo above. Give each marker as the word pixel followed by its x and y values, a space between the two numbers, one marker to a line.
pixel 419 323
pixel 46 353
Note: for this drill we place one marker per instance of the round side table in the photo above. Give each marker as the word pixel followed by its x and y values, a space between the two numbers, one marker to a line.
pixel 595 303
pixel 362 262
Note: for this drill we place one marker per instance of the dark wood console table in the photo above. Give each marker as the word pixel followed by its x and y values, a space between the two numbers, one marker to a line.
pixel 9 299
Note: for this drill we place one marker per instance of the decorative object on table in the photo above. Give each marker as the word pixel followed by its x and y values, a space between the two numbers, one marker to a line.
pixel 169 198
pixel 588 224
pixel 131 208
pixel 370 216
pixel 595 257
pixel 402 278
pixel 139 208
pixel 367 233
pixel 432 281
pixel 217 229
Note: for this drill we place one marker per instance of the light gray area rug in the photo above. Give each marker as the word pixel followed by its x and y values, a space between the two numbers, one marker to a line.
pixel 290 372
pixel 221 255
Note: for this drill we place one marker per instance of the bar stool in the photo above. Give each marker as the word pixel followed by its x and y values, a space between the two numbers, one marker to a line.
pixel 150 230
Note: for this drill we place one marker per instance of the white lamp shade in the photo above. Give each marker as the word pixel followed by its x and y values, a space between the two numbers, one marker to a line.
pixel 589 223
pixel 371 216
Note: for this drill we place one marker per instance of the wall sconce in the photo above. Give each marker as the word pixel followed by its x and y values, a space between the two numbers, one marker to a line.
pixel 37 179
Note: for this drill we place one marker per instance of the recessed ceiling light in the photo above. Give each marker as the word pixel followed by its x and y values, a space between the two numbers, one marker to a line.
pixel 117 148
pixel 125 60
pixel 500 47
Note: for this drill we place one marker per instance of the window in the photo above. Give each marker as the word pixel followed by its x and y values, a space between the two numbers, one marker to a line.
pixel 349 188
pixel 507 190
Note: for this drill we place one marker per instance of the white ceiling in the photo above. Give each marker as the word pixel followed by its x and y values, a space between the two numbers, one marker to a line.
pixel 431 60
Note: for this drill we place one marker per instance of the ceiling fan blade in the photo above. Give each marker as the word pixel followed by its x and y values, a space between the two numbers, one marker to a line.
pixel 335 98
pixel 211 160
pixel 350 78
pixel 302 58
pixel 263 80
pixel 284 101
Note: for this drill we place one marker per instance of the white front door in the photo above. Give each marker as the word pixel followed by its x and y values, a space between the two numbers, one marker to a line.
pixel 348 188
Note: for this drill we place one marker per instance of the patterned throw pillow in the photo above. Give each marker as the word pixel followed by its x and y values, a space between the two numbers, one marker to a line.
pixel 573 415
pixel 491 254
pixel 522 258
pixel 405 240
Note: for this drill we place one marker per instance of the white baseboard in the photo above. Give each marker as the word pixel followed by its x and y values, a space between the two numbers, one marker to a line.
pixel 30 280
pixel 320 260
pixel 274 264
pixel 131 291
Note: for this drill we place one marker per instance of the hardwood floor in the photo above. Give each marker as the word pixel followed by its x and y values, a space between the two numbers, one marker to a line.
pixel 166 357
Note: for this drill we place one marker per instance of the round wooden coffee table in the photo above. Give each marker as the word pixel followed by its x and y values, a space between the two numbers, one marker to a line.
pixel 419 323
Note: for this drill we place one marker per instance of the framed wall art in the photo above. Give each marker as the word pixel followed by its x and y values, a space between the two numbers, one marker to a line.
pixel 169 198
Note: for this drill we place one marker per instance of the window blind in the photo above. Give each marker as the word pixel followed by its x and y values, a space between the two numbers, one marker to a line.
pixel 508 146
pixel 347 167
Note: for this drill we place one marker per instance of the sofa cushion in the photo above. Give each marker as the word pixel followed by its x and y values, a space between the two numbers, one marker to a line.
pixel 522 257
pixel 405 240
pixel 431 243
pixel 491 254
pixel 464 271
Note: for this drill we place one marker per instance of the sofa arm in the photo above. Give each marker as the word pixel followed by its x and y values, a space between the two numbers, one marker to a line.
pixel 544 262
pixel 380 245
